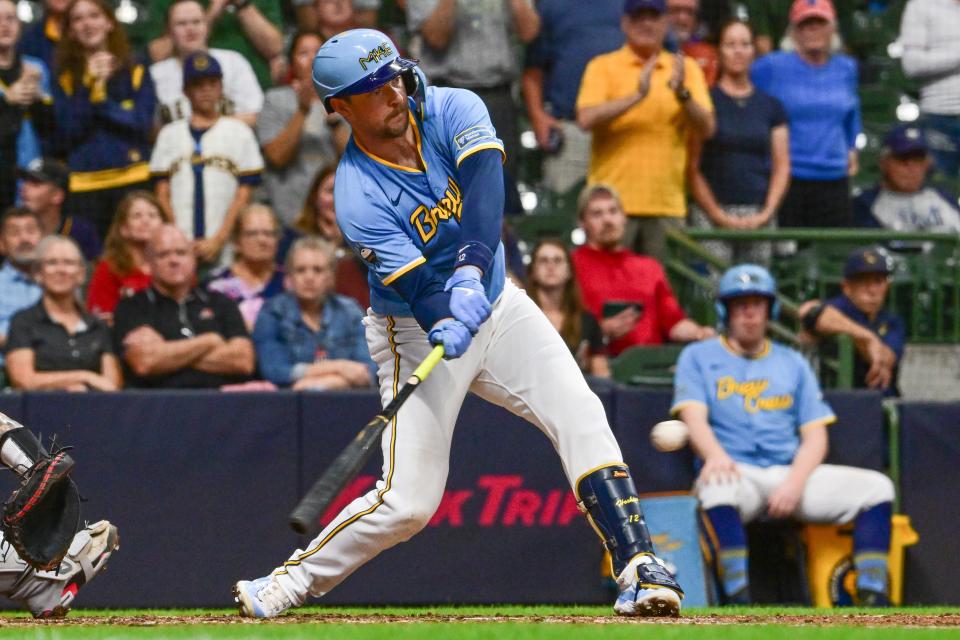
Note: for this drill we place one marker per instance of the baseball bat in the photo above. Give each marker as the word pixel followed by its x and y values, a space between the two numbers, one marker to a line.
pixel 305 517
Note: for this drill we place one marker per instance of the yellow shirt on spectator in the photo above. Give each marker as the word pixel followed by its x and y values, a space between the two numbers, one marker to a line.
pixel 643 152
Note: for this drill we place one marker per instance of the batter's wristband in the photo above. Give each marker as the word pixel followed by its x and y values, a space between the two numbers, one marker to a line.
pixel 475 254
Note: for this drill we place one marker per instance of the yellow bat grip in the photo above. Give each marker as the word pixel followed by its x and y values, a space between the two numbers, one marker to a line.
pixel 429 363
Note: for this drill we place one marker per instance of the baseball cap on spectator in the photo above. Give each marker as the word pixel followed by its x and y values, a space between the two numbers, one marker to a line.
pixel 46 170
pixel 866 260
pixel 905 140
pixel 807 9
pixel 632 6
pixel 199 65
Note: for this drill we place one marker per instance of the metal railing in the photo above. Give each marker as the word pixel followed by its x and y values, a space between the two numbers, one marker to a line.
pixel 694 271
pixel 925 283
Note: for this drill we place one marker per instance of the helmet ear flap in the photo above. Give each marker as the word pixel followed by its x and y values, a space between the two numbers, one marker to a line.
pixel 411 82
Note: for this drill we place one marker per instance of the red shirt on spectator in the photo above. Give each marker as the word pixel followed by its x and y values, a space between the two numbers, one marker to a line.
pixel 706 57
pixel 351 279
pixel 624 276
pixel 107 287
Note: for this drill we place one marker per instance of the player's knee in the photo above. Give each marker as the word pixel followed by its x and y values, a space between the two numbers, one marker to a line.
pixel 412 513
pixel 880 489
pixel 717 494
pixel 410 520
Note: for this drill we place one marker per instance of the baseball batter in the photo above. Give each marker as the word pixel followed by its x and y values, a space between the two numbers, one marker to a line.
pixel 419 196
pixel 758 422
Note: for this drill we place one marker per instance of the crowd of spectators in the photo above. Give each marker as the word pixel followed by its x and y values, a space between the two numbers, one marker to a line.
pixel 202 119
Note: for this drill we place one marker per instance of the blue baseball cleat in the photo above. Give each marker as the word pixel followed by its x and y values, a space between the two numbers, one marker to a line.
pixel 648 589
pixel 261 598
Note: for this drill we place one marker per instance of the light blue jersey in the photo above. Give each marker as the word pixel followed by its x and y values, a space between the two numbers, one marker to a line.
pixel 756 406
pixel 396 218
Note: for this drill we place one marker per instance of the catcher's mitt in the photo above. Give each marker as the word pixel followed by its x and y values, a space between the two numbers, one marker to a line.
pixel 42 516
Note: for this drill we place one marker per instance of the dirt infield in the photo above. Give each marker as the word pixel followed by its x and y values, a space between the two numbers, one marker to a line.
pixel 856 620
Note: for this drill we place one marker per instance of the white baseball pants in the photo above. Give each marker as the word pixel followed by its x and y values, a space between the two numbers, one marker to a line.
pixel 834 494
pixel 518 361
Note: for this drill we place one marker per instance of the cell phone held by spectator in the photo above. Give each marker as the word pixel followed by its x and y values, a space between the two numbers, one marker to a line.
pixel 554 142
pixel 613 307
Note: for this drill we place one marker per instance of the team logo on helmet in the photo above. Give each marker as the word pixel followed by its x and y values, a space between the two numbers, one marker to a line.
pixel 376 55
pixel 201 62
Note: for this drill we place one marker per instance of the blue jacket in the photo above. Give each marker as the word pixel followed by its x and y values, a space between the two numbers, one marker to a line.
pixel 283 340
pixel 40 40
pixel 106 138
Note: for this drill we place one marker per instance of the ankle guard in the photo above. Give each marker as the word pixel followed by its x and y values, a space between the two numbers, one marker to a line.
pixel 612 506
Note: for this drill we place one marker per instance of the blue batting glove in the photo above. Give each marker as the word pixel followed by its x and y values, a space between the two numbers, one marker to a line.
pixel 453 335
pixel 468 299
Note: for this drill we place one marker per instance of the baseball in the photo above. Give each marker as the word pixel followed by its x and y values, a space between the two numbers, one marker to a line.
pixel 669 435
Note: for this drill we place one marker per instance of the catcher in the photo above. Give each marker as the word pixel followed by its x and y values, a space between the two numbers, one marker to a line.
pixel 44 559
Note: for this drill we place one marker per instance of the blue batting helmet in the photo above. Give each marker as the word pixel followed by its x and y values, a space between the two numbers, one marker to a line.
pixel 746 280
pixel 358 61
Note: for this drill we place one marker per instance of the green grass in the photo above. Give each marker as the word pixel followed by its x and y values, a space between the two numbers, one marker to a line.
pixel 513 630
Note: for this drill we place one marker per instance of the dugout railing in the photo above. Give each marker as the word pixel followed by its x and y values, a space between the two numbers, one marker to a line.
pixel 925 283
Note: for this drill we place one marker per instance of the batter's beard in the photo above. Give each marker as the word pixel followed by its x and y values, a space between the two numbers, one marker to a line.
pixel 397 131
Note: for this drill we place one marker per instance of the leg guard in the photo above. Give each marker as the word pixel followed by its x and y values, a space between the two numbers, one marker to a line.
pixel 612 506
pixel 610 501
pixel 49 594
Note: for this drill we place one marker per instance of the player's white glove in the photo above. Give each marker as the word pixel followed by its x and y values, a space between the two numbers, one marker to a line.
pixel 453 335
pixel 468 299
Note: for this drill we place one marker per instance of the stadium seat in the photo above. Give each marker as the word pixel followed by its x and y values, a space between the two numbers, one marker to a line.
pixel 652 365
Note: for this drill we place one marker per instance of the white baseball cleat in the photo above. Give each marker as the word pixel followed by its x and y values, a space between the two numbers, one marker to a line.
pixel 647 589
pixel 261 598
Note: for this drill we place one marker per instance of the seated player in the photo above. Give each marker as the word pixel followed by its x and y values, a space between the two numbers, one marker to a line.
pixel 859 312
pixel 758 424
pixel 48 593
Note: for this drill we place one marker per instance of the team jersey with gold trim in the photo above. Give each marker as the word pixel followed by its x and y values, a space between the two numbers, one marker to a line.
pixel 756 406
pixel 396 218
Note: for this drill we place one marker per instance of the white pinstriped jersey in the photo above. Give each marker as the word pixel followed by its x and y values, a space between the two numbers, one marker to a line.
pixel 226 156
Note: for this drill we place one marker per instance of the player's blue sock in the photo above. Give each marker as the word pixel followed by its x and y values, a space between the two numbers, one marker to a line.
pixel 871 544
pixel 732 552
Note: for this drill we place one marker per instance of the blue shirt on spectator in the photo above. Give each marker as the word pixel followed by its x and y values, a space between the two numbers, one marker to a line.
pixel 891 330
pixel 736 160
pixel 823 106
pixel 286 346
pixel 17 292
pixel 572 33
